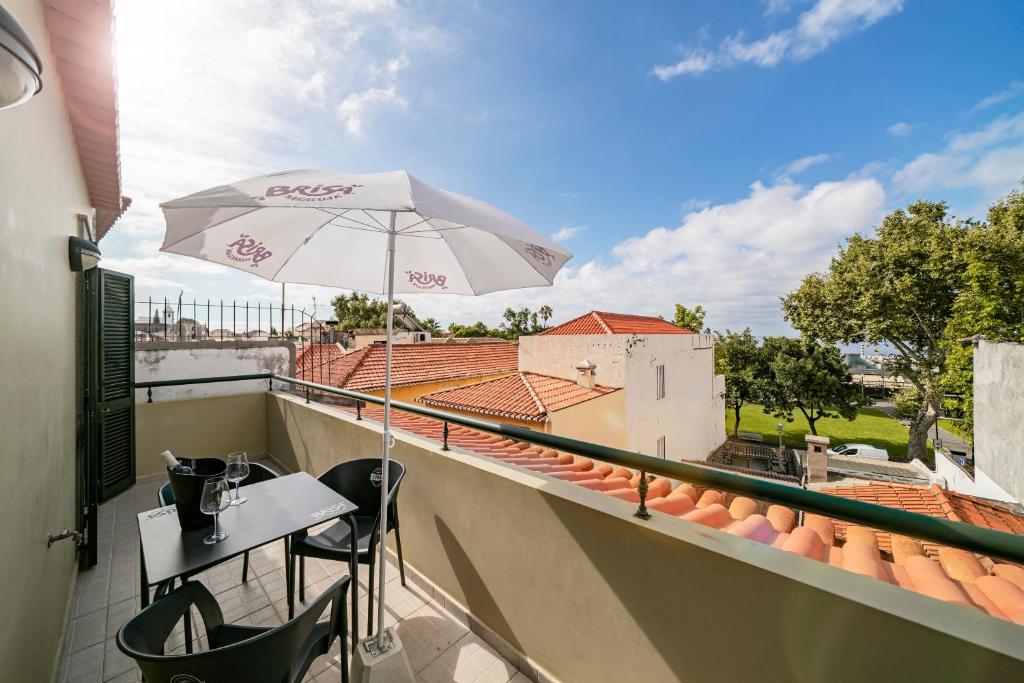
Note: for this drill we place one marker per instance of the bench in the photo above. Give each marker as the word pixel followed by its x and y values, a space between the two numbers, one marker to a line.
pixel 751 436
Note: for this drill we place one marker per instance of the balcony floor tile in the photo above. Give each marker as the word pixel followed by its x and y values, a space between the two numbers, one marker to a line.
pixel 440 647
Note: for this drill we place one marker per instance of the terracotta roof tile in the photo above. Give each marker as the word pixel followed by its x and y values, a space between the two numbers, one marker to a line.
pixel 955 576
pixel 597 322
pixel 411 364
pixel 523 396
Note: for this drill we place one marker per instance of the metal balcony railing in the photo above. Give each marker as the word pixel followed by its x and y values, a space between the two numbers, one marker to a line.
pixel 955 534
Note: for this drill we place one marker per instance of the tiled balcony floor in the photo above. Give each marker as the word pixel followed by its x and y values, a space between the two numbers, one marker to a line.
pixel 440 647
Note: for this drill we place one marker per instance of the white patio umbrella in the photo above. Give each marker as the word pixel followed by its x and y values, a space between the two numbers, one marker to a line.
pixel 358 232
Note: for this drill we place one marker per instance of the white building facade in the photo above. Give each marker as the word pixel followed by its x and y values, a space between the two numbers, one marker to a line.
pixel 675 406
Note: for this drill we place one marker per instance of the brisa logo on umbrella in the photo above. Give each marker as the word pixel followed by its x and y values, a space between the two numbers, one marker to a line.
pixel 246 249
pixel 540 254
pixel 424 280
pixel 308 193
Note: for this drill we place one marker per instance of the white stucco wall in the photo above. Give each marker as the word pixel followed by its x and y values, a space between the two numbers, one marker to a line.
pixel 691 417
pixel 41 191
pixel 999 415
pixel 164 361
pixel 953 478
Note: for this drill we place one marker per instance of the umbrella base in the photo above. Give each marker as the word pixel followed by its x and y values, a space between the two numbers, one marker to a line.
pixel 372 665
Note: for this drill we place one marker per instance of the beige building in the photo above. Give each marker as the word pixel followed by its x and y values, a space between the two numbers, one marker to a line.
pixel 59 178
pixel 674 405
pixel 577 409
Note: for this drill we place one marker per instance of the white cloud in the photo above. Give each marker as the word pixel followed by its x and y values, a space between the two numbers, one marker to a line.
pixel 354 108
pixel 566 233
pixel 827 22
pixel 695 62
pixel 735 259
pixel 1015 89
pixel 798 166
pixel 211 92
pixel 900 129
pixel 990 160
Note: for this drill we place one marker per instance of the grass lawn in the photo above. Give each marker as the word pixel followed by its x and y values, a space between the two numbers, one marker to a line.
pixel 871 426
pixel 951 426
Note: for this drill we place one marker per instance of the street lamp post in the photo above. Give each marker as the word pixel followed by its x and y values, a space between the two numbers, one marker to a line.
pixel 779 427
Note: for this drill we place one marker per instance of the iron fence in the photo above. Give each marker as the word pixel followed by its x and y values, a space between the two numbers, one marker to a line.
pixel 183 320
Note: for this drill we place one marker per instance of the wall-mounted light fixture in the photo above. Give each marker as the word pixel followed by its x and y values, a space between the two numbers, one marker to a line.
pixel 20 68
pixel 82 254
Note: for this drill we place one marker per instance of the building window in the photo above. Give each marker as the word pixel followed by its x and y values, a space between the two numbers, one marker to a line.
pixel 659 382
pixel 661 447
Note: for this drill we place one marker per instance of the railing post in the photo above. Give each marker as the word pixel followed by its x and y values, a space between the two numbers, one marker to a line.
pixel 149 394
pixel 359 410
pixel 307 394
pixel 271 383
pixel 444 446
pixel 641 490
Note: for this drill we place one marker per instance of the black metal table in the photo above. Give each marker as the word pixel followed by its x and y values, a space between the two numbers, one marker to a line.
pixel 275 509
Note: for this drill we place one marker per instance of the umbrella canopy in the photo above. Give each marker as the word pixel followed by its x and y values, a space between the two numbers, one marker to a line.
pixel 323 228
pixel 383 232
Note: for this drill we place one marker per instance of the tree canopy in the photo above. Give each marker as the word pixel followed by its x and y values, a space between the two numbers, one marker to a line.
pixel 692 320
pixel 898 287
pixel 991 296
pixel 358 311
pixel 808 376
pixel 745 367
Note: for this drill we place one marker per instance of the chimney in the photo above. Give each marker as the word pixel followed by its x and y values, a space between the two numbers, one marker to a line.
pixel 332 330
pixel 816 465
pixel 585 374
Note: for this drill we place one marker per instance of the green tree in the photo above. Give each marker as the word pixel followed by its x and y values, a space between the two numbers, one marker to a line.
pixel 519 322
pixel 477 329
pixel 430 325
pixel 991 297
pixel 899 288
pixel 358 311
pixel 743 363
pixel 692 320
pixel 809 376
pixel 545 314
pixel 906 403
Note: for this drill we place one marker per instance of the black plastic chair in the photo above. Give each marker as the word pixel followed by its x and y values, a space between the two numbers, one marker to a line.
pixel 257 474
pixel 237 653
pixel 355 481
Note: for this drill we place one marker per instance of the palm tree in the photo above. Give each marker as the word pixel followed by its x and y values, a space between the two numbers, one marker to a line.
pixel 430 325
pixel 545 314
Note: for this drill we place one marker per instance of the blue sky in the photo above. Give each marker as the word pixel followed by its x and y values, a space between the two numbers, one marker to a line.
pixel 700 153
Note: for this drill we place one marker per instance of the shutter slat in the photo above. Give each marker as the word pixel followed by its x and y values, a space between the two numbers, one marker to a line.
pixel 116 379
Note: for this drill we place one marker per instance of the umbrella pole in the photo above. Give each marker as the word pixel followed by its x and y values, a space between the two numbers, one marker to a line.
pixel 387 435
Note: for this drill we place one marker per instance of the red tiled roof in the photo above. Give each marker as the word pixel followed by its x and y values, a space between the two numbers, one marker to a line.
pixel 952 575
pixel 928 500
pixel 597 322
pixel 523 396
pixel 411 364
pixel 81 38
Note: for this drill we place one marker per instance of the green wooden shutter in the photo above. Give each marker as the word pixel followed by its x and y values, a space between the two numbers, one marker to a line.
pixel 115 394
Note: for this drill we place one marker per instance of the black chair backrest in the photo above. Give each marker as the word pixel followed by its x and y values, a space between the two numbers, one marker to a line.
pixel 269 655
pixel 360 482
pixel 258 473
pixel 165 495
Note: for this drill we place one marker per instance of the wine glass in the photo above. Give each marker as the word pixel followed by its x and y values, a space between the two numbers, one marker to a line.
pixel 238 469
pixel 216 494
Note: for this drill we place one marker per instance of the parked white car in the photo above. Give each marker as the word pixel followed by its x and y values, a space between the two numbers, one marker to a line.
pixel 860 450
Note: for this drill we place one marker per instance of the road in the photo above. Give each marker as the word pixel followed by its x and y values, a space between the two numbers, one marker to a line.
pixel 950 441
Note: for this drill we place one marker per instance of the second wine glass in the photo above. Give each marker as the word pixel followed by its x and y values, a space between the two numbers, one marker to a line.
pixel 214 501
pixel 238 469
